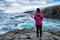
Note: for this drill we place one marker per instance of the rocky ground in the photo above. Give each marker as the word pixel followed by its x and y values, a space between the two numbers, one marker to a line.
pixel 30 34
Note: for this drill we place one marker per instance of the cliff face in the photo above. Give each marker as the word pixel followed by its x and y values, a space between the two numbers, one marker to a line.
pixel 29 11
pixel 52 12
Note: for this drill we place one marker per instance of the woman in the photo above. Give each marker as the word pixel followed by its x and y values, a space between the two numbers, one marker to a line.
pixel 38 16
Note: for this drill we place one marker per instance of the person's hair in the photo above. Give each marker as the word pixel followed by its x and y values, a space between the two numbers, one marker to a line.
pixel 38 10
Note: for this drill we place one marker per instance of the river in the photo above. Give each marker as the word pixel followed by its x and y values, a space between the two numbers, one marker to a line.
pixel 12 21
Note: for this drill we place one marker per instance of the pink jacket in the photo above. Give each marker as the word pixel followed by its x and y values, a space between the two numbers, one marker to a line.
pixel 38 18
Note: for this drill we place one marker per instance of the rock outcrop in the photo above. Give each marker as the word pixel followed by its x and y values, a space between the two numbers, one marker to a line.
pixel 29 34
pixel 49 12
pixel 52 12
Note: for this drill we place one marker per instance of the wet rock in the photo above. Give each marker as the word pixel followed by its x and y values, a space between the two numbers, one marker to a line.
pixel 26 30
pixel 57 33
pixel 55 38
pixel 20 36
pixel 28 37
pixel 33 35
pixel 28 34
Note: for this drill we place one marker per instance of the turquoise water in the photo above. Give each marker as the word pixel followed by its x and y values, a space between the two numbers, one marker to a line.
pixel 11 22
pixel 51 24
pixel 48 24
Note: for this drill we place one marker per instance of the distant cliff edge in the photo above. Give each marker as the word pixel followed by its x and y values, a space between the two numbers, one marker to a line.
pixel 49 12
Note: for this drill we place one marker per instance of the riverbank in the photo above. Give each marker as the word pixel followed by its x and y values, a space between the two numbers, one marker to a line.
pixel 30 34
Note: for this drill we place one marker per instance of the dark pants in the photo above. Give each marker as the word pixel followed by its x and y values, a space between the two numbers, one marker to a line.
pixel 39 28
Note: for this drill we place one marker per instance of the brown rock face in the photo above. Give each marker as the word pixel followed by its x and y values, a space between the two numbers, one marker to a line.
pixel 49 12
pixel 52 12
